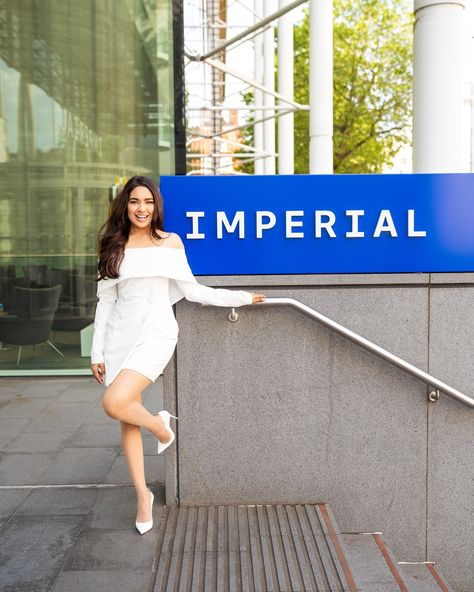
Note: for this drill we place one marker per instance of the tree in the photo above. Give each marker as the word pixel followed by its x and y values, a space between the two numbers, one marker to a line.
pixel 372 85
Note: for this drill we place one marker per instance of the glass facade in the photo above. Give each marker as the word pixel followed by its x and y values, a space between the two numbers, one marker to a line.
pixel 86 100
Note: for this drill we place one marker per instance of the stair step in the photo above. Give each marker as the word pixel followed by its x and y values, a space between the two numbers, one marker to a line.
pixel 278 548
pixel 259 548
pixel 426 576
pixel 372 563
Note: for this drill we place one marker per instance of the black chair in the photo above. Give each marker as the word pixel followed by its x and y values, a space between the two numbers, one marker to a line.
pixel 7 285
pixel 33 314
pixel 79 313
pixel 36 274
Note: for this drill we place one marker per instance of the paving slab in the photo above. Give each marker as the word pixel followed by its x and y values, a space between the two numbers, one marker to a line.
pixel 104 550
pixel 154 470
pixel 43 387
pixel 103 581
pixel 79 394
pixel 59 502
pixel 115 507
pixel 24 469
pixel 98 416
pixel 92 436
pixel 9 428
pixel 74 465
pixel 61 417
pixel 33 549
pixel 60 533
pixel 10 499
pixel 39 442
pixel 24 407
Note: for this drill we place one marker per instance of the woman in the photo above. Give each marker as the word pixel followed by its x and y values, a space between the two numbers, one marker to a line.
pixel 143 271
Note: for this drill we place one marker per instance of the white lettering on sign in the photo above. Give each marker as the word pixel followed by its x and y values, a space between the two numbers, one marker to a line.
pixel 324 219
pixel 411 225
pixel 239 220
pixel 385 224
pixel 290 224
pixel 195 225
pixel 261 225
pixel 354 231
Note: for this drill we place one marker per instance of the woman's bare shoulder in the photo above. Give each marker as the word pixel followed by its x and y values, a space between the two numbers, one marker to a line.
pixel 173 241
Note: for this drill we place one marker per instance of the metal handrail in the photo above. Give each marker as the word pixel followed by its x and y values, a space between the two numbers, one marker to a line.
pixel 370 346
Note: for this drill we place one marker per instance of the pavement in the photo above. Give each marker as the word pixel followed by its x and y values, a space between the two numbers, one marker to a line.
pixel 67 508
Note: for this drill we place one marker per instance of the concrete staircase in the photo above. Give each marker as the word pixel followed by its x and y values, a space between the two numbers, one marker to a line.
pixel 278 548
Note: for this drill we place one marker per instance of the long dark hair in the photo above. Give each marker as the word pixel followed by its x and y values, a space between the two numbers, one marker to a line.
pixel 113 235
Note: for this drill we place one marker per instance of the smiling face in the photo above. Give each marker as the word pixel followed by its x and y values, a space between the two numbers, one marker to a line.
pixel 140 207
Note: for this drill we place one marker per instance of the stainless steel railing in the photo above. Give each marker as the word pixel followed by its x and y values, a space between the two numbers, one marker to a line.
pixel 437 386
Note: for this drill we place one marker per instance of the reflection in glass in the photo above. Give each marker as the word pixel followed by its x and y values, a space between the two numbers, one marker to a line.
pixel 85 100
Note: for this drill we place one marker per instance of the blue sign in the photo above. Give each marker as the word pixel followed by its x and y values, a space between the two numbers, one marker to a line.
pixel 305 224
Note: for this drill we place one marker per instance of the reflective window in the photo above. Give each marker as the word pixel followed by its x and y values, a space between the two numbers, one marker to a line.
pixel 85 101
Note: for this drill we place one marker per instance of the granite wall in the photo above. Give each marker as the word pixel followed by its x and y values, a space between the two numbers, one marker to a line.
pixel 276 408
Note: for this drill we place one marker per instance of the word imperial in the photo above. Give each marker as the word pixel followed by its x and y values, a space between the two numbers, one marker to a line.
pixel 324 224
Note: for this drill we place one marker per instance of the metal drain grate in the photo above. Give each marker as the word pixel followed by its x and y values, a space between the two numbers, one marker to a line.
pixel 262 548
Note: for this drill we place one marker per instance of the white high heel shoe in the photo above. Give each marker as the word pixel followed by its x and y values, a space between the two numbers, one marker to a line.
pixel 165 416
pixel 143 527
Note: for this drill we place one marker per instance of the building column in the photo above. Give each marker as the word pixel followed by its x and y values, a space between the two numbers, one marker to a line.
pixel 286 158
pixel 258 95
pixel 269 83
pixel 440 43
pixel 320 86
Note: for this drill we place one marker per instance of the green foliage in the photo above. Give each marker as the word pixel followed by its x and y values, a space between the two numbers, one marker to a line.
pixel 372 84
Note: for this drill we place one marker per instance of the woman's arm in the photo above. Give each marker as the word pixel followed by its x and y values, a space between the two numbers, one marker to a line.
pixel 105 305
pixel 196 292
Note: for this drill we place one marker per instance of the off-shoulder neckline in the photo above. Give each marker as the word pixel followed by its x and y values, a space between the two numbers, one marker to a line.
pixel 154 247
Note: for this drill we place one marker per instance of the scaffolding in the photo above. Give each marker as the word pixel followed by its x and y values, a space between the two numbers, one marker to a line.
pixel 231 98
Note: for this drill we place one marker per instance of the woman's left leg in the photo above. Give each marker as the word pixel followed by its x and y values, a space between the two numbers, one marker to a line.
pixel 132 445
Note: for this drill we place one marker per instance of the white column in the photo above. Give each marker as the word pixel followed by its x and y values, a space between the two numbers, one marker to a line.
pixel 438 86
pixel 320 86
pixel 269 82
pixel 286 152
pixel 258 95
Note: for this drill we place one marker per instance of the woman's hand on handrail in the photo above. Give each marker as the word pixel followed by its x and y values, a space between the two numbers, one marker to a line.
pixel 256 298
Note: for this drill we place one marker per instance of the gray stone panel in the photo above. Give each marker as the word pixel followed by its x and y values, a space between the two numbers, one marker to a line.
pixel 359 279
pixel 276 408
pixel 451 438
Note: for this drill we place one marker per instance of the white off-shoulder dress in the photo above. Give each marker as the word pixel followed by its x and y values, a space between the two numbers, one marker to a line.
pixel 134 324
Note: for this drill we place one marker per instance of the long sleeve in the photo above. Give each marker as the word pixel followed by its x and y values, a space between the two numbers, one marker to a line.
pixel 104 308
pixel 196 292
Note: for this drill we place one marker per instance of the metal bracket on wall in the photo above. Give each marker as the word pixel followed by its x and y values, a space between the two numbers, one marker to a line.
pixel 433 395
pixel 233 316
